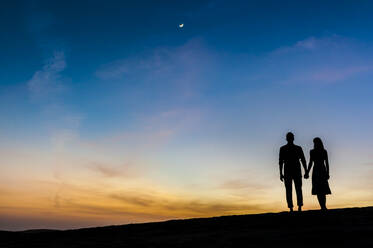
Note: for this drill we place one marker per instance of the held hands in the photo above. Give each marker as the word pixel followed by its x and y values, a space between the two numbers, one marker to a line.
pixel 306 175
pixel 281 177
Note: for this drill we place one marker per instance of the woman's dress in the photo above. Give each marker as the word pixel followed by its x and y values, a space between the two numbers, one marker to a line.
pixel 320 185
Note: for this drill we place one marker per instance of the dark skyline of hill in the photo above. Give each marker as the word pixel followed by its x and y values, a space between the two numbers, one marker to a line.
pixel 352 227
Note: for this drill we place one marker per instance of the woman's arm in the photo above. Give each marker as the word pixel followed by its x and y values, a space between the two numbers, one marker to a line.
pixel 327 164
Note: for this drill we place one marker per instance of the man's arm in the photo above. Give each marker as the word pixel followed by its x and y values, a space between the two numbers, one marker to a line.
pixel 303 160
pixel 281 165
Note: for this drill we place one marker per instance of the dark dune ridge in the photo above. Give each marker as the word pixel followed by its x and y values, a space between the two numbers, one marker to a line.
pixel 352 227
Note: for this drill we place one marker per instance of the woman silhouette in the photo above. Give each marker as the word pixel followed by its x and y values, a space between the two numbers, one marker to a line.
pixel 320 173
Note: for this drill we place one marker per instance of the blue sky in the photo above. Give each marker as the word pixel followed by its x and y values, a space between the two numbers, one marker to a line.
pixel 114 95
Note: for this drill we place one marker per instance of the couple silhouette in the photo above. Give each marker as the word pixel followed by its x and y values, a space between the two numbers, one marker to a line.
pixel 290 171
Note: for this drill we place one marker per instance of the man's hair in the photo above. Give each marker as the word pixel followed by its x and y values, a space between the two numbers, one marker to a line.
pixel 289 135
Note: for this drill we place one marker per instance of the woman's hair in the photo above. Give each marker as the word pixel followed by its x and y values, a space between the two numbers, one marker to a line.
pixel 317 144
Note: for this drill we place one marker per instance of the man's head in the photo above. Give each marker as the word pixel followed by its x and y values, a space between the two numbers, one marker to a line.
pixel 290 137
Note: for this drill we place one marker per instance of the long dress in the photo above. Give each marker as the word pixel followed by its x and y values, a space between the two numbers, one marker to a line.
pixel 320 185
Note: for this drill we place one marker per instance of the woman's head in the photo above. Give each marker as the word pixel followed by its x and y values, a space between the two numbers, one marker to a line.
pixel 317 144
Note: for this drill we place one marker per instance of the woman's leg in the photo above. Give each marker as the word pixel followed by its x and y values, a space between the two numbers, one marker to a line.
pixel 319 198
pixel 322 201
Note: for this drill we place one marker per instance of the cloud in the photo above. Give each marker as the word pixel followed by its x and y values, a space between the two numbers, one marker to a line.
pixel 313 43
pixel 158 61
pixel 135 199
pixel 314 60
pixel 63 201
pixel 48 80
pixel 330 75
pixel 110 171
pixel 182 206
pixel 55 117
pixel 211 208
pixel 309 43
pixel 116 212
pixel 237 184
pixel 164 71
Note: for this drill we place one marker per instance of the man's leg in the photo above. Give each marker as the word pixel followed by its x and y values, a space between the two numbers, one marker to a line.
pixel 298 189
pixel 289 192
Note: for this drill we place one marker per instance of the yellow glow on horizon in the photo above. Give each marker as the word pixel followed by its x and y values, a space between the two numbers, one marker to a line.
pixel 89 205
pixel 43 189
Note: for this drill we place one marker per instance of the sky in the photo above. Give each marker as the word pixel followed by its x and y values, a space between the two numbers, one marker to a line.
pixel 110 113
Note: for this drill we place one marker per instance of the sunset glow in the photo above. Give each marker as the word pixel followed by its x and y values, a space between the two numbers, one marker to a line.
pixel 112 114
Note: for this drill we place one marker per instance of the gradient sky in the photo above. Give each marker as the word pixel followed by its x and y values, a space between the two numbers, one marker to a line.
pixel 112 114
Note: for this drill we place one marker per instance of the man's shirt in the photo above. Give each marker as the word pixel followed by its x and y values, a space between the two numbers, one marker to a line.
pixel 290 155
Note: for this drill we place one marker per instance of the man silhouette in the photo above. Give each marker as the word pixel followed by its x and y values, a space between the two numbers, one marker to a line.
pixel 290 155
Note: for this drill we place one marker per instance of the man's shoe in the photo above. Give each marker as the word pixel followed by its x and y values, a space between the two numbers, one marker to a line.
pixel 291 209
pixel 300 209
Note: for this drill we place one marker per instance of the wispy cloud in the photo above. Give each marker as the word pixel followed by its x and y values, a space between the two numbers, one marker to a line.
pixel 175 205
pixel 110 171
pixel 159 61
pixel 48 80
pixel 135 204
pixel 316 60
pixel 330 75
pixel 236 184
pixel 316 43
pixel 173 71
pixel 139 199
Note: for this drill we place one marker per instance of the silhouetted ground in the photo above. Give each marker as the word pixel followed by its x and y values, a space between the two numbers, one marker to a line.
pixel 335 228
